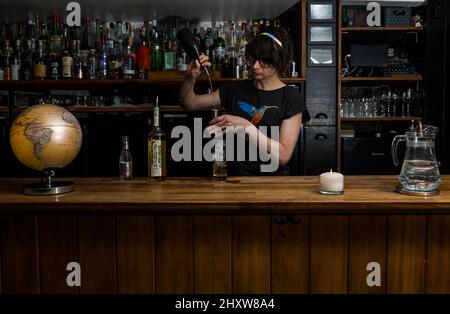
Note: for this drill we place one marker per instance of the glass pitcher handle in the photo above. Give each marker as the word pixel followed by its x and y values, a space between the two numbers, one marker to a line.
pixel 397 139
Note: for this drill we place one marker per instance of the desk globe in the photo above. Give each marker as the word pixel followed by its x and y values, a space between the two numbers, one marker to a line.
pixel 46 138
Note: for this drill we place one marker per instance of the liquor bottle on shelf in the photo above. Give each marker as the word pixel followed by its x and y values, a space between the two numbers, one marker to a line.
pixel 115 63
pixel 156 148
pixel 128 62
pixel 55 67
pixel 92 65
pixel 219 50
pixel 143 57
pixel 209 42
pixel 39 64
pixel 27 62
pixel 55 37
pixel 156 52
pixel 219 163
pixel 169 57
pixel 7 60
pixel 125 161
pixel 78 66
pixel 102 68
pixel 17 62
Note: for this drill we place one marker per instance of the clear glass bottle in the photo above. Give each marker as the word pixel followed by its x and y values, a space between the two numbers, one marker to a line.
pixel 219 162
pixel 156 149
pixel 125 161
pixel 128 62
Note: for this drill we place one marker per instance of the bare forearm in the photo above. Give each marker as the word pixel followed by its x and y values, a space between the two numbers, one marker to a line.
pixel 272 147
pixel 187 94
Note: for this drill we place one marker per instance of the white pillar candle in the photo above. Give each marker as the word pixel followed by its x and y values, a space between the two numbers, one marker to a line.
pixel 332 182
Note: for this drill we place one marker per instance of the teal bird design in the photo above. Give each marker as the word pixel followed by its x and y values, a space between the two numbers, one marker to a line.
pixel 254 113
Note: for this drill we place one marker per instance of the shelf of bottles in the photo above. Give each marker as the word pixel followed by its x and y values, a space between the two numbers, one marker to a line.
pixel 48 53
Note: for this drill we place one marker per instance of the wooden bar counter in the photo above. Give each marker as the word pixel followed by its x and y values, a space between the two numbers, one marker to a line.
pixel 245 235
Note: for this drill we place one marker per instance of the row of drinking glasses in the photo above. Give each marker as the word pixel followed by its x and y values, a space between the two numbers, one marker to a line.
pixel 384 103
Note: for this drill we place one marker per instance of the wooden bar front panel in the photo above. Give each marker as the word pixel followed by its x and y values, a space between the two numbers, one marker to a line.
pixel 58 243
pixel 251 254
pixel 174 254
pixel 438 254
pixel 367 244
pixel 20 259
pixel 97 245
pixel 135 254
pixel 212 254
pixel 290 254
pixel 328 244
pixel 225 254
pixel 406 254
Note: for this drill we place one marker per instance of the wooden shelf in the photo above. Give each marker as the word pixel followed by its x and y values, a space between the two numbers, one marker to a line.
pixel 382 29
pixel 106 109
pixel 380 119
pixel 157 78
pixel 399 78
pixel 3 109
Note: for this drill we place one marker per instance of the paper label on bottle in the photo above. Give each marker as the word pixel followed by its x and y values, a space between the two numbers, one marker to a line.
pixel 156 165
pixel 67 63
pixel 54 70
pixel 40 70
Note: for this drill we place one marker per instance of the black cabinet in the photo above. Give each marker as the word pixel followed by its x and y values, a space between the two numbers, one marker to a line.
pixel 319 149
pixel 370 155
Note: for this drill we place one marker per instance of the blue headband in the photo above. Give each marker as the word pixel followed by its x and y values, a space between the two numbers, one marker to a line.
pixel 273 38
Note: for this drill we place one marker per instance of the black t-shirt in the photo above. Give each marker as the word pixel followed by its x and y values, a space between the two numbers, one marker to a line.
pixel 262 108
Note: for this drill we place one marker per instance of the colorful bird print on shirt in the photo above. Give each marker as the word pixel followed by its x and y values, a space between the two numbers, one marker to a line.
pixel 254 113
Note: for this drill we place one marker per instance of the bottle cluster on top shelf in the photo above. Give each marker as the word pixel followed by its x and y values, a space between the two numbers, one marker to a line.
pixel 48 49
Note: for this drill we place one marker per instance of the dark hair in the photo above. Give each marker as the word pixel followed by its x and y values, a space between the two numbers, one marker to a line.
pixel 266 49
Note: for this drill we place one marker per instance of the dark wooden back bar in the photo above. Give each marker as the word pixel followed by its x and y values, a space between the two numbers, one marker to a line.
pixel 245 235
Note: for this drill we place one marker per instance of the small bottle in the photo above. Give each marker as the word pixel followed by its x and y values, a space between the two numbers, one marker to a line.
pixel 125 161
pixel 219 163
pixel 156 149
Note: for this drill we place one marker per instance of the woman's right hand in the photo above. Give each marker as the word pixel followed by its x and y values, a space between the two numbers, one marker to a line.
pixel 194 70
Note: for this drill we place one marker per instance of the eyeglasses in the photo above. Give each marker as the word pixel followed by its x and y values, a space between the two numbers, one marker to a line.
pixel 251 61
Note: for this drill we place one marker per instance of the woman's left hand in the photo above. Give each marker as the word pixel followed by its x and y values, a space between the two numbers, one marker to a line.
pixel 231 121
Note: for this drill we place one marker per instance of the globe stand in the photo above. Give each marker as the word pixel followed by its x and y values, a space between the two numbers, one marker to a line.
pixel 48 187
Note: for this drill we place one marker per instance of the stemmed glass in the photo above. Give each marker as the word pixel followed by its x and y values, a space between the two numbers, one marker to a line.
pixel 410 97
